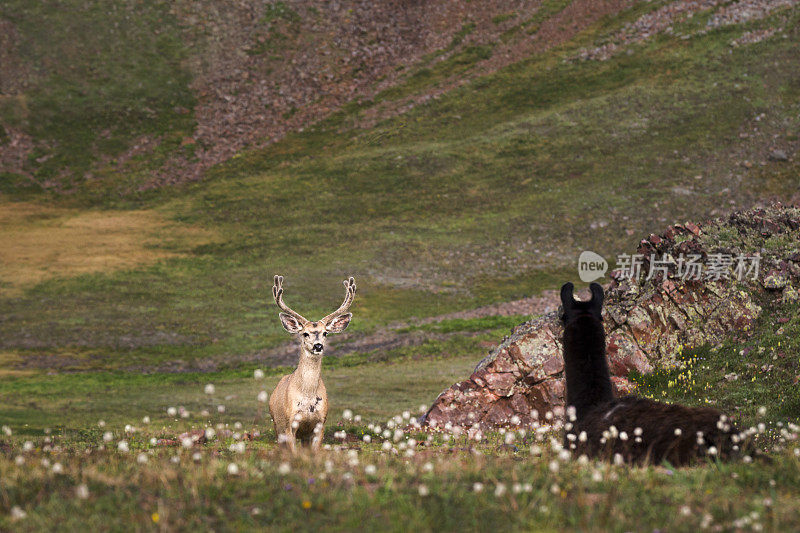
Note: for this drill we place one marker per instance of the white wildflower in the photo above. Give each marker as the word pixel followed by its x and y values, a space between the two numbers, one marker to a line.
pixel 17 513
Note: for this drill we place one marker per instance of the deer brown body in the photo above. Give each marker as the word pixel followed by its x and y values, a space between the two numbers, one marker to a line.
pixel 299 403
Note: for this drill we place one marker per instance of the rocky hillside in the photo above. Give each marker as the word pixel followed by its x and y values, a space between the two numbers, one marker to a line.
pixel 133 96
pixel 238 74
pixel 648 322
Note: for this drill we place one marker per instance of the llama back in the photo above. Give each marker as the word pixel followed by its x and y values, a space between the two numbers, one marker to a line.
pixel 644 431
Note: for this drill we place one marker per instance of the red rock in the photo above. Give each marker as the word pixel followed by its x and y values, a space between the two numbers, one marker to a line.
pixel 693 228
pixel 500 383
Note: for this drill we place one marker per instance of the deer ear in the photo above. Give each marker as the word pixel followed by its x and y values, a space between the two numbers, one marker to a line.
pixel 339 324
pixel 290 323
pixel 567 300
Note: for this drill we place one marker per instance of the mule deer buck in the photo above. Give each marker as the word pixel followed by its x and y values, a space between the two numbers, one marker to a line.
pixel 299 403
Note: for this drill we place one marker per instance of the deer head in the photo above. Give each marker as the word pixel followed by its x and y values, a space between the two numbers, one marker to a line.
pixel 312 335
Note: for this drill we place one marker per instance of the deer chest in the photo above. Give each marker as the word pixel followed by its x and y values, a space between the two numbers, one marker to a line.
pixel 310 407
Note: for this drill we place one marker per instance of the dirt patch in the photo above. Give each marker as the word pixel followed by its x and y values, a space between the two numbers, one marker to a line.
pixel 41 242
pixel 390 338
pixel 534 305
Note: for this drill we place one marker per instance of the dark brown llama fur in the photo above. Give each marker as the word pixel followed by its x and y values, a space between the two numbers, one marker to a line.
pixel 638 429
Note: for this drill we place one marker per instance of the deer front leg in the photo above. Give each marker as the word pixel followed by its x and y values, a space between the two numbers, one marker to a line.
pixel 287 439
pixel 316 439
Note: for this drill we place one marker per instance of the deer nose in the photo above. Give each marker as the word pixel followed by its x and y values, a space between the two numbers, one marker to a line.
pixel 317 347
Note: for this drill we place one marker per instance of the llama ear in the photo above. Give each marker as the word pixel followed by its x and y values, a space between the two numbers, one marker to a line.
pixel 597 297
pixel 567 300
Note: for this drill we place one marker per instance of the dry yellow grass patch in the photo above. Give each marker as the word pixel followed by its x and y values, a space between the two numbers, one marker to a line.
pixel 39 242
pixel 6 360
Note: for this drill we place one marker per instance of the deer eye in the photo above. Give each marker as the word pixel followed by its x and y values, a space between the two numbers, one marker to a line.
pixel 324 333
pixel 305 334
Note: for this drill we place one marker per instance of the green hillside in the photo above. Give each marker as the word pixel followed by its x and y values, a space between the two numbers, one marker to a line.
pixel 482 194
pixel 161 161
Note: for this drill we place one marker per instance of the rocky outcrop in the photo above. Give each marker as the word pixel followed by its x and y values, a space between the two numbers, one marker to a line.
pixel 648 321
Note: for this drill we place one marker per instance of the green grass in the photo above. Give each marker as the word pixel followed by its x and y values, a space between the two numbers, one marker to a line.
pixel 123 494
pixel 72 402
pixel 338 490
pixel 468 324
pixel 757 368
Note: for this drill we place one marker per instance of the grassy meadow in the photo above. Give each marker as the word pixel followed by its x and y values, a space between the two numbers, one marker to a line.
pixel 119 301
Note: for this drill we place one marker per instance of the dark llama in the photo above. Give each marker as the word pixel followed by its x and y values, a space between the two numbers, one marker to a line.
pixel 630 429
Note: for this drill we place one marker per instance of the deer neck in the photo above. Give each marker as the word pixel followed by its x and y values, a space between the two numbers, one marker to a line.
pixel 308 371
